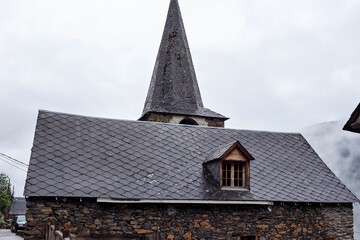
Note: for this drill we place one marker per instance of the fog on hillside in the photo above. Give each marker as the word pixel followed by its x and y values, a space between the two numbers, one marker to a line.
pixel 340 150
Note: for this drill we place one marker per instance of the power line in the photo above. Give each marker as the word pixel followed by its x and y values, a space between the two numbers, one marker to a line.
pixel 14 160
pixel 12 163
pixel 7 161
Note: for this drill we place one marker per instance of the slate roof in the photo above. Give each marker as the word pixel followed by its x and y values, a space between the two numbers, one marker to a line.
pixel 18 206
pixel 173 87
pixel 353 124
pixel 77 156
pixel 219 151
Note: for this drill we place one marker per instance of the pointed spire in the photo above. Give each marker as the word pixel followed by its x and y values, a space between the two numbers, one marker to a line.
pixel 174 88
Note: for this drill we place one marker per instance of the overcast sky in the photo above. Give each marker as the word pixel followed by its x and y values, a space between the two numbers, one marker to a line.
pixel 268 65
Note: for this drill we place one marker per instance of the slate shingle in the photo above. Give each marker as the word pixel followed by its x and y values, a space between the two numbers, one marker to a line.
pixel 147 160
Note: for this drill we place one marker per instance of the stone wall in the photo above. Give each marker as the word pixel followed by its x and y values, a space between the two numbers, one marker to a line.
pixel 215 122
pixel 87 219
pixel 173 118
pixel 157 117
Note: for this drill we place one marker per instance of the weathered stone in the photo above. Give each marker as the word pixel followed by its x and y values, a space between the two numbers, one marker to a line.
pixel 204 223
pixel 67 225
pixel 187 235
pixel 86 211
pixel 282 225
pixel 62 212
pixel 83 232
pixel 33 232
pixel 190 221
pixel 73 229
pixel 92 226
pixel 46 210
pixel 143 231
pixel 35 223
pixel 115 228
pixel 168 118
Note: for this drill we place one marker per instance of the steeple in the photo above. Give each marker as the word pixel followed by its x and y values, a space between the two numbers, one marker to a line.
pixel 174 91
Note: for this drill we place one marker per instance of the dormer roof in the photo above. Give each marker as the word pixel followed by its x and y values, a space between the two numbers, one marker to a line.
pixel 174 88
pixel 224 150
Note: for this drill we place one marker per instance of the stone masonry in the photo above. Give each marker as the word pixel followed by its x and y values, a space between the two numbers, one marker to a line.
pixel 87 219
pixel 173 118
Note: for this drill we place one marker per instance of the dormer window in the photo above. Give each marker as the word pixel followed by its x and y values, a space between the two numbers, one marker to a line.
pixel 230 166
pixel 233 174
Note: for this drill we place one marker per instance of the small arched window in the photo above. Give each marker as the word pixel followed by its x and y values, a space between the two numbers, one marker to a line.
pixel 188 121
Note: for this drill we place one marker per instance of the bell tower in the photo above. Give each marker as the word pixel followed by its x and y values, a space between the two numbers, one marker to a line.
pixel 174 95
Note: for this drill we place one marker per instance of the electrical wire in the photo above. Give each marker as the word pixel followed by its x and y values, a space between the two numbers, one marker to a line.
pixel 14 160
pixel 12 164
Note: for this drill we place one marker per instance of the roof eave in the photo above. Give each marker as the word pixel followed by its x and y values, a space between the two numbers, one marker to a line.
pixel 174 201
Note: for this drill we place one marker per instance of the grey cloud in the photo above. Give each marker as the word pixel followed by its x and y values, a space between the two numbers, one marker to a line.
pixel 273 66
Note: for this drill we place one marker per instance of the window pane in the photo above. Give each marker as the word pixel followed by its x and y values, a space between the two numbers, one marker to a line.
pixel 226 174
pixel 240 175
pixel 237 175
pixel 238 178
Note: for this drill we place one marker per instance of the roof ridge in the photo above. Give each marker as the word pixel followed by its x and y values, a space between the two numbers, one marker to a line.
pixel 42 111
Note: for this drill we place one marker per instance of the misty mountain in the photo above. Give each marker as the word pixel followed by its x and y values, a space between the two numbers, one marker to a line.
pixel 340 150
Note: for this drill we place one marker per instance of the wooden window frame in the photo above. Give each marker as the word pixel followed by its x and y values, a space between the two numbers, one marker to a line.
pixel 236 153
pixel 245 174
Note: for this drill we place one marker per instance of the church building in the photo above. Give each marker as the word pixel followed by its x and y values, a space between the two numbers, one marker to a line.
pixel 177 172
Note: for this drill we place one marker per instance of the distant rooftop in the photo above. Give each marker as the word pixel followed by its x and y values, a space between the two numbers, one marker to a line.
pixel 18 206
pixel 353 124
